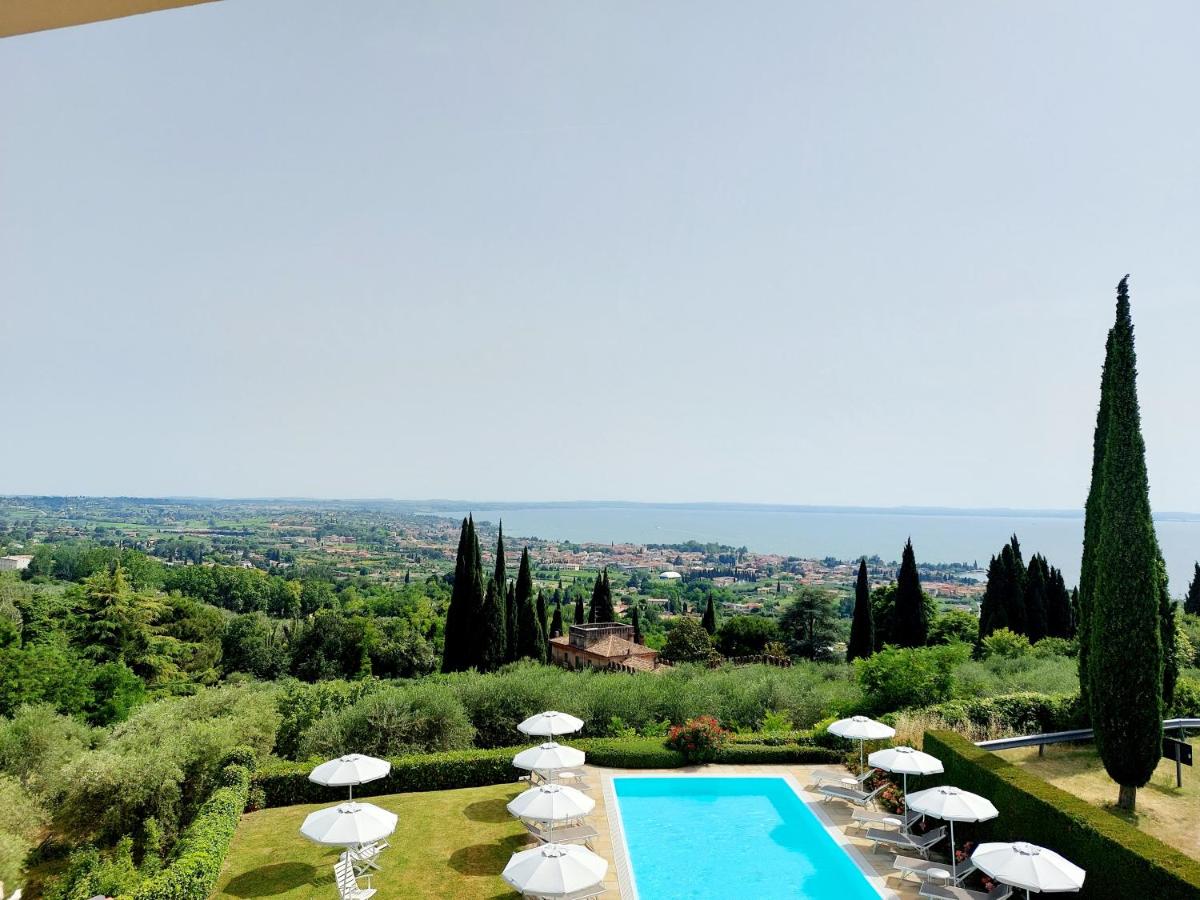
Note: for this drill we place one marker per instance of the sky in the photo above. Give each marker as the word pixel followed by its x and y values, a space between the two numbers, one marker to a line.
pixel 853 253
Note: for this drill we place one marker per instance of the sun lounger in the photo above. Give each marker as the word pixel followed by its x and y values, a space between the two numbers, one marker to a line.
pixel 850 795
pixel 347 881
pixel 947 892
pixel 585 894
pixel 362 860
pixel 823 776
pixel 924 870
pixel 902 840
pixel 864 818
pixel 569 834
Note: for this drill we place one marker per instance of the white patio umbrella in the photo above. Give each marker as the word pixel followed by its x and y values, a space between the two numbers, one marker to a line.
pixel 349 770
pixel 952 805
pixel 551 803
pixel 349 824
pixel 860 728
pixel 1028 866
pixel 550 724
pixel 555 870
pixel 905 761
pixel 548 757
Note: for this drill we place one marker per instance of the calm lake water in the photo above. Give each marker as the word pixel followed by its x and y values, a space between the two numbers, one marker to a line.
pixel 938 536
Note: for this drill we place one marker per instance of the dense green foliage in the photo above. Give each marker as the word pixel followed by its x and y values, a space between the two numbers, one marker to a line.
pixel 897 677
pixel 911 625
pixel 601 608
pixel 862 627
pixel 1191 604
pixel 1125 653
pixel 809 624
pixel 1120 860
pixel 746 635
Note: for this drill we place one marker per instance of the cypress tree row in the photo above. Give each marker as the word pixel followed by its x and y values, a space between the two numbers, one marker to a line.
pixel 1191 604
pixel 556 624
pixel 1037 579
pixel 601 609
pixel 1124 618
pixel 862 628
pixel 460 647
pixel 709 620
pixel 911 625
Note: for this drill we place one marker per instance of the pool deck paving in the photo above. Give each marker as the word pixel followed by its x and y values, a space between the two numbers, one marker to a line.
pixel 836 816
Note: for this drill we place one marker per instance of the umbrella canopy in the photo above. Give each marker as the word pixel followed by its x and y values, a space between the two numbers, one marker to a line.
pixel 349 824
pixel 554 870
pixel 905 761
pixel 551 803
pixel 952 805
pixel 550 724
pixel 1028 866
pixel 548 757
pixel 860 728
pixel 349 770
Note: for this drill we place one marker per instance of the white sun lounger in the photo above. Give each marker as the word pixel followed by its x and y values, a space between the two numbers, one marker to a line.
pixel 902 840
pixel 347 881
pixel 947 892
pixel 920 868
pixel 864 818
pixel 569 834
pixel 850 795
pixel 823 776
pixel 585 894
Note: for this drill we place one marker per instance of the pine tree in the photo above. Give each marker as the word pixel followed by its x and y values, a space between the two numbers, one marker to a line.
pixel 1125 657
pixel 709 619
pixel 1058 607
pixel 862 627
pixel 1191 605
pixel 1036 598
pixel 466 603
pixel 530 640
pixel 556 624
pixel 637 627
pixel 493 644
pixel 911 625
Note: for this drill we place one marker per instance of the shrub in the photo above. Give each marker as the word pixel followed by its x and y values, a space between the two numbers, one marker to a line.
pixel 1005 644
pixel 896 678
pixel 1054 646
pixel 1187 698
pixel 699 739
pixel 392 722
pixel 21 821
pixel 688 641
pixel 1120 860
pixel 1021 713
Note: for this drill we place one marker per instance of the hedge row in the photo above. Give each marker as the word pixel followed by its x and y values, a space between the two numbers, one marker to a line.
pixel 201 849
pixel 1120 860
pixel 280 783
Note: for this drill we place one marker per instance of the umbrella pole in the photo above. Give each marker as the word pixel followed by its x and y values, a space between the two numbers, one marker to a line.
pixel 904 815
pixel 953 855
pixel 861 765
pixel 351 793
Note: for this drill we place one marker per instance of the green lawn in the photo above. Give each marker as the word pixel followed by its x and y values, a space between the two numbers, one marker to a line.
pixel 448 844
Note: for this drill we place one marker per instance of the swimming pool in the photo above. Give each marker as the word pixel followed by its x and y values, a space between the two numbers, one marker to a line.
pixel 730 836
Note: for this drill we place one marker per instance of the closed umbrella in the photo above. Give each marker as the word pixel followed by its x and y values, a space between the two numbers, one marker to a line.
pixel 548 757
pixel 550 724
pixel 551 803
pixel 952 805
pixel 860 728
pixel 555 870
pixel 905 761
pixel 349 770
pixel 349 824
pixel 1028 866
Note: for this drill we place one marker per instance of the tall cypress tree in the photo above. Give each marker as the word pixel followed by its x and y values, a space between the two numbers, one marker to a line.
pixel 1058 607
pixel 1125 657
pixel 531 641
pixel 543 625
pixel 862 628
pixel 1166 613
pixel 993 610
pixel 1191 604
pixel 1036 598
pixel 460 645
pixel 556 623
pixel 493 643
pixel 601 609
pixel 1014 587
pixel 709 620
pixel 911 624
pixel 637 627
pixel 580 612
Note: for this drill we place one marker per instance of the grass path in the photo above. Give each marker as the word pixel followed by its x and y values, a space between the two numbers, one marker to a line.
pixel 450 844
pixel 1163 810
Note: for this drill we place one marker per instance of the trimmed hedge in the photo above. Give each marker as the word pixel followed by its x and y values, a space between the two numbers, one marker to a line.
pixel 1120 860
pixel 280 783
pixel 201 849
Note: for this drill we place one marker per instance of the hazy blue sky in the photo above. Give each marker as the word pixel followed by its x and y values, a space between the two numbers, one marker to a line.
pixel 851 253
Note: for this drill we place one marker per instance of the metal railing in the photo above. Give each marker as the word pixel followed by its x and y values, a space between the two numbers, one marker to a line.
pixel 1079 735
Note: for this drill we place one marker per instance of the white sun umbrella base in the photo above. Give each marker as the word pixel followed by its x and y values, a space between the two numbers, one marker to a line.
pixel 349 824
pixel 1028 866
pixel 349 770
pixel 554 870
pixel 952 805
pixel 861 729
pixel 905 761
pixel 550 724
pixel 549 757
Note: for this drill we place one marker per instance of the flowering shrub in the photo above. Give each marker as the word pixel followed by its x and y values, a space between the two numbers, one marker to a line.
pixel 698 740
pixel 891 798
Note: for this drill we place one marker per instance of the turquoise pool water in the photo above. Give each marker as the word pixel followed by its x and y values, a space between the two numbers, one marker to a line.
pixel 698 837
